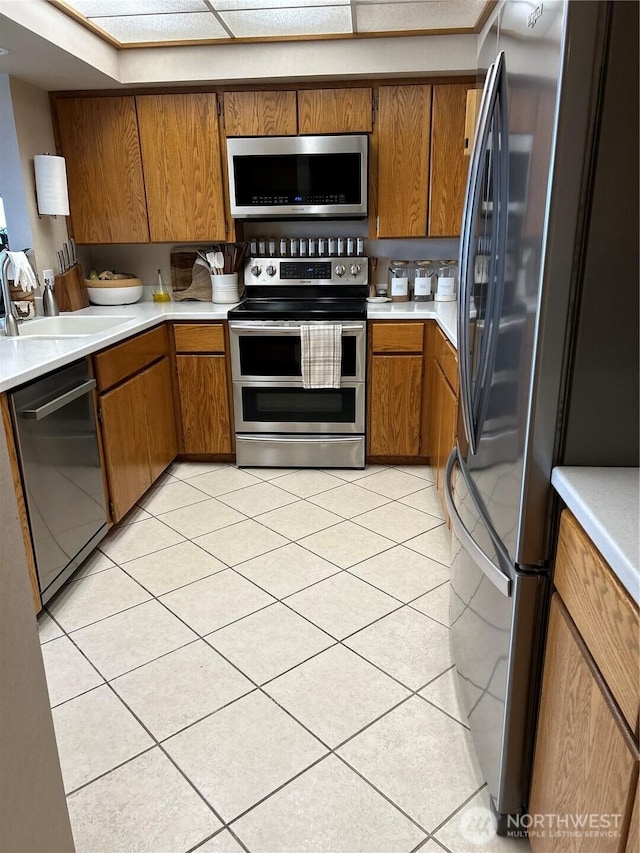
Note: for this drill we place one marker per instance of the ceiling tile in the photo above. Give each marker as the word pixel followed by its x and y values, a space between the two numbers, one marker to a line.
pixel 116 8
pixel 140 28
pixel 243 5
pixel 424 15
pixel 316 20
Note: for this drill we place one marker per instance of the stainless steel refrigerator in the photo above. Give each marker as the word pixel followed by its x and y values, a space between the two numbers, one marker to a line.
pixel 547 341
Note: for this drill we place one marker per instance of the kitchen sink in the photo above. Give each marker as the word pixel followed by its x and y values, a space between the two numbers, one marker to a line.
pixel 68 326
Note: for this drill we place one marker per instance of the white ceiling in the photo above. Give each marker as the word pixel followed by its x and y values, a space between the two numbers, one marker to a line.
pixel 146 22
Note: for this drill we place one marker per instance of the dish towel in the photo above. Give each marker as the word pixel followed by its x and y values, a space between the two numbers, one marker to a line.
pixel 23 275
pixel 321 354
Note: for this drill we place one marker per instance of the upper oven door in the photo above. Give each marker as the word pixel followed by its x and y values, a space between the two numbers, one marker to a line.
pixel 269 351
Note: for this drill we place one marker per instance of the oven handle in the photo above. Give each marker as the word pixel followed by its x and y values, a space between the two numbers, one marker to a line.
pixel 283 330
pixel 307 437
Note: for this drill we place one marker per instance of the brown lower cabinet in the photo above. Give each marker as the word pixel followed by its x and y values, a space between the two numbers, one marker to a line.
pixel 586 755
pixel 203 388
pixel 135 409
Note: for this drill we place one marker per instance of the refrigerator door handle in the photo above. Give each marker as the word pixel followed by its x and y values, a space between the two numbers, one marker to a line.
pixel 487 108
pixel 499 247
pixel 493 573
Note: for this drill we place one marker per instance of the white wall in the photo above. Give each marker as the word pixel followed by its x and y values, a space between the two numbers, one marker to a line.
pixel 34 132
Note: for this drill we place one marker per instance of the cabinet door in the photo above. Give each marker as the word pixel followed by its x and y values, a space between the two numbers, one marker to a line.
pixel 584 764
pixel 99 139
pixel 260 114
pixel 403 160
pixel 182 168
pixel 204 403
pixel 446 407
pixel 394 405
pixel 124 438
pixel 160 418
pixel 449 165
pixel 334 111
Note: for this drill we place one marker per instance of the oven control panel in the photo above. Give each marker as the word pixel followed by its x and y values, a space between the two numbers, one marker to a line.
pixel 338 270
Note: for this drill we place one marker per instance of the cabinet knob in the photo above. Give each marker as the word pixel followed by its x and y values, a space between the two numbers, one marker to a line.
pixel 340 270
pixel 256 270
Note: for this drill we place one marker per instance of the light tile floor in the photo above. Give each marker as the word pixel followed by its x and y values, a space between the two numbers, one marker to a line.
pixel 259 660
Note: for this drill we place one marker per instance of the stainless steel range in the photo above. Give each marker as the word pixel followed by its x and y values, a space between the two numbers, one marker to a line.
pixel 279 422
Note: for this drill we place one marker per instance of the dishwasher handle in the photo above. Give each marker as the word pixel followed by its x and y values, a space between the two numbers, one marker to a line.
pixel 58 402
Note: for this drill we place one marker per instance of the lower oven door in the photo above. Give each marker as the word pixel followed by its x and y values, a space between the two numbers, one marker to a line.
pixel 287 407
pixel 300 451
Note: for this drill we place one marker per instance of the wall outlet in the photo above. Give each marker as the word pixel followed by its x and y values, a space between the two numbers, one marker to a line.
pixel 48 277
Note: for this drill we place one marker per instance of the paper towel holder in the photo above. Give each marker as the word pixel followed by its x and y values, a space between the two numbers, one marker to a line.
pixel 52 194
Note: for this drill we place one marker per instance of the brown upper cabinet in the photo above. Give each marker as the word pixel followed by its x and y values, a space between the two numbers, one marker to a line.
pixel 260 113
pixel 404 138
pixel 449 165
pixel 334 111
pixel 180 142
pixel 99 139
pixel 422 169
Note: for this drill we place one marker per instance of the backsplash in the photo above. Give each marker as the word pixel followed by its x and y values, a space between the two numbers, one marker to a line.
pixel 145 259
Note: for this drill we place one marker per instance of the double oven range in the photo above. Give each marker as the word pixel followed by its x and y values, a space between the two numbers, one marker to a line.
pixel 279 422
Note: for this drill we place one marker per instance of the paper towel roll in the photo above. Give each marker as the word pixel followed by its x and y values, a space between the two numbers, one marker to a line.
pixel 51 185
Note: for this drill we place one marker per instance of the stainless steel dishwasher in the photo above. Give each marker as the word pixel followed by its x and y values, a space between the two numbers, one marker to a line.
pixel 58 450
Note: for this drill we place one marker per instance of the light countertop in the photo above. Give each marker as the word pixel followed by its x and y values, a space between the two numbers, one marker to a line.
pixel 26 358
pixel 444 313
pixel 606 503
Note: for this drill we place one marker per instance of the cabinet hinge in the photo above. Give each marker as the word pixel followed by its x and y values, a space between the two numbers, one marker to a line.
pixel 419 443
pixel 377 225
pixel 226 227
pixel 374 107
pixel 219 106
pixel 111 510
pixel 99 414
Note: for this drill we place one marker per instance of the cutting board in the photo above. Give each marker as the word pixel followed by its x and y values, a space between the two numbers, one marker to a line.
pixel 71 293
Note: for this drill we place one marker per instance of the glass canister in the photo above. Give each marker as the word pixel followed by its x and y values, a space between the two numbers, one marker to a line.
pixel 423 282
pixel 447 281
pixel 399 281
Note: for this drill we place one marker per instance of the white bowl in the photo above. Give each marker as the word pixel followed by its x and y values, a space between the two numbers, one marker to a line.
pixel 114 295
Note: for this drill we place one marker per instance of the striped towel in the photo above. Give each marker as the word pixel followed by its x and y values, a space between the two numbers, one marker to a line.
pixel 321 355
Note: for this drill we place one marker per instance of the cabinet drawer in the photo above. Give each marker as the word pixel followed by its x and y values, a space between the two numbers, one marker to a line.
pixel 603 612
pixel 199 337
pixel 397 337
pixel 450 366
pixel 123 360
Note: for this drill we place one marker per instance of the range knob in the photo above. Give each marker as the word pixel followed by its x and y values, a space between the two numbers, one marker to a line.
pixel 271 270
pixel 340 270
pixel 355 269
pixel 256 270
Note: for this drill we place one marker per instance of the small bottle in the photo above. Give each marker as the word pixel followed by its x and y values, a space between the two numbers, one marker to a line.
pixel 295 247
pixel 340 247
pixel 160 292
pixel 447 275
pixel 360 246
pixel 284 243
pixel 351 246
pixel 272 247
pixel 304 246
pixel 262 247
pixel 322 247
pixel 332 247
pixel 313 247
pixel 253 248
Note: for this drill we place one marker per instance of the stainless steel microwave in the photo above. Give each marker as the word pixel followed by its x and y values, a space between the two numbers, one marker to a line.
pixel 298 177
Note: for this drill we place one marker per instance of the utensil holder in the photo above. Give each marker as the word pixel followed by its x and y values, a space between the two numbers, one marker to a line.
pixel 224 288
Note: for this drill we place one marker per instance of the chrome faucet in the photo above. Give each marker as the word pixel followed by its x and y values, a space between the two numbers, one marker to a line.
pixel 10 323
